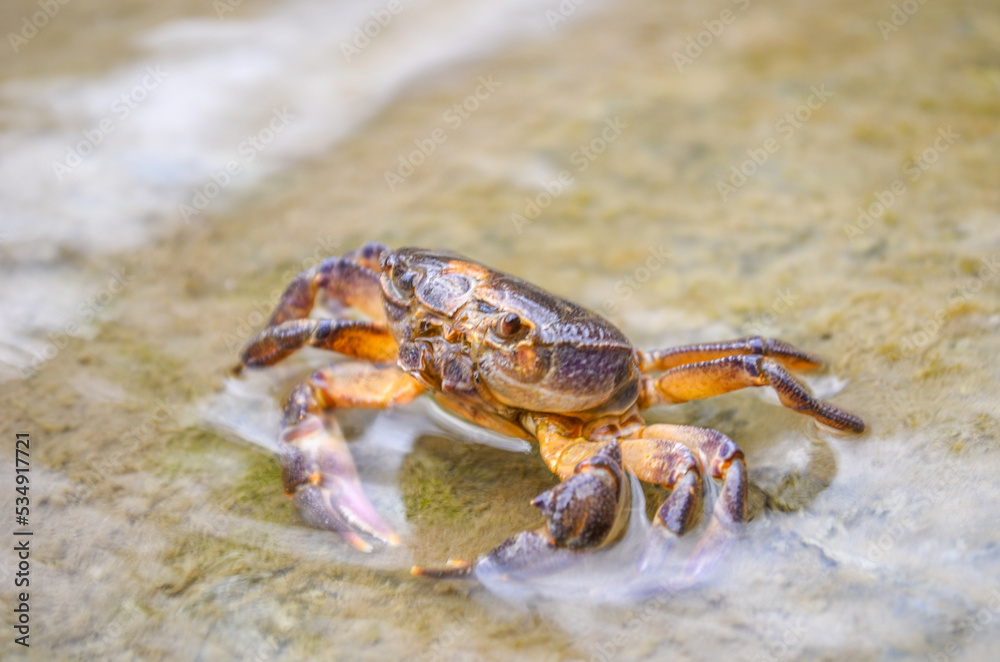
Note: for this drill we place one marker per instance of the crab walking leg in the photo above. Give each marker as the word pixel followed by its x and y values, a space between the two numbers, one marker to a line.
pixel 351 280
pixel 317 470
pixel 714 450
pixel 729 515
pixel 696 381
pixel 654 457
pixel 784 353
pixel 354 338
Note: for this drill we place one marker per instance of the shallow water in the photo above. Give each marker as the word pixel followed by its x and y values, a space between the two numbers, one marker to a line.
pixel 160 528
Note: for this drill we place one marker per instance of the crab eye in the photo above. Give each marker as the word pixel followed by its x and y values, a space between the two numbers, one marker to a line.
pixel 400 276
pixel 509 325
pixel 403 280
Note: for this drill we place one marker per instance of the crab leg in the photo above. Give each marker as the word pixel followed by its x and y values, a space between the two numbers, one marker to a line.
pixel 351 280
pixel 588 508
pixel 655 459
pixel 705 379
pixel 658 459
pixel 317 470
pixel 354 338
pixel 784 353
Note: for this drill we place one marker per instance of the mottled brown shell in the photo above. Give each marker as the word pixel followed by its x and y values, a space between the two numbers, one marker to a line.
pixel 453 319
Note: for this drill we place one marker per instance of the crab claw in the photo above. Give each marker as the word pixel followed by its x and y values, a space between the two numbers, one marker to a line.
pixel 320 477
pixel 584 509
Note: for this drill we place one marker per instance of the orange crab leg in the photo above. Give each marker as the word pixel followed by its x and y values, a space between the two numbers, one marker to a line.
pixel 660 460
pixel 784 353
pixel 716 454
pixel 656 458
pixel 350 280
pixel 714 450
pixel 317 470
pixel 695 381
pixel 354 338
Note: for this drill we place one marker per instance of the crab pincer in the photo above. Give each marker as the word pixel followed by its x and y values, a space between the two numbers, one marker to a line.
pixel 584 511
pixel 320 477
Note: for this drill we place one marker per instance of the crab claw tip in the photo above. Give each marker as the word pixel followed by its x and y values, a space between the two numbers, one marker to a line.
pixel 357 542
pixel 546 501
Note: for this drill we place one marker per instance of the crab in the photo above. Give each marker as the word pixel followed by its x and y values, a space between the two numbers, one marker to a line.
pixel 506 355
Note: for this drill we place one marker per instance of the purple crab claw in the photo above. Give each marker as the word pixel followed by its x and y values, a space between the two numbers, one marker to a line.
pixel 584 511
pixel 320 477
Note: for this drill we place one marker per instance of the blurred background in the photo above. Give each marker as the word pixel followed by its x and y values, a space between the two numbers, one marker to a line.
pixel 825 174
